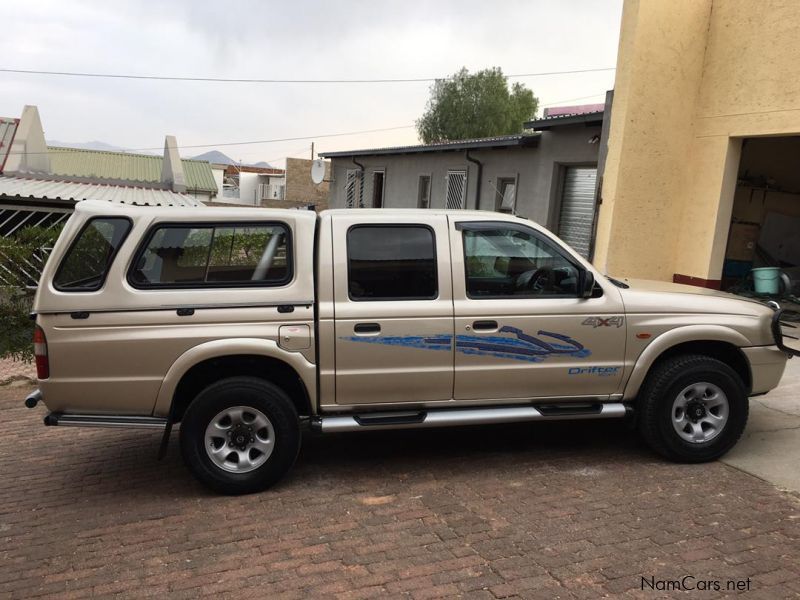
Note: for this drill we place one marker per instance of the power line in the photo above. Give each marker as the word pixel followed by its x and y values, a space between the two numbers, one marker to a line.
pixel 217 145
pixel 255 80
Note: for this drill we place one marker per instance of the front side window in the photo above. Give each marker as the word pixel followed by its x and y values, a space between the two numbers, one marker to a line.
pixel 511 262
pixel 214 256
pixel 87 261
pixel 395 262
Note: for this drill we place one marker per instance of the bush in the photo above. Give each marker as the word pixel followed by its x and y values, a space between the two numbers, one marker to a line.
pixel 22 257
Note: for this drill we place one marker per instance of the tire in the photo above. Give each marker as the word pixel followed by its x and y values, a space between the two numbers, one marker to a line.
pixel 225 414
pixel 687 393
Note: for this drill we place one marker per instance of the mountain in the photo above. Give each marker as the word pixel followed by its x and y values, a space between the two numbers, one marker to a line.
pixel 95 145
pixel 217 157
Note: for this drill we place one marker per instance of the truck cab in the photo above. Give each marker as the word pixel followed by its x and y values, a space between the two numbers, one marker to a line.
pixel 243 325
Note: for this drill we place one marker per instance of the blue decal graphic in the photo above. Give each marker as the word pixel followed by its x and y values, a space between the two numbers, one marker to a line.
pixel 431 342
pixel 521 347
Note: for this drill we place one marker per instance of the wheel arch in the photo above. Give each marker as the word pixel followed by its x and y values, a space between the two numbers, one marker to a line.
pixel 721 343
pixel 219 359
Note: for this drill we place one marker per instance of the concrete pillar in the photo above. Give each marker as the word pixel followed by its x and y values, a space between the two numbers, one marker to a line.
pixel 172 166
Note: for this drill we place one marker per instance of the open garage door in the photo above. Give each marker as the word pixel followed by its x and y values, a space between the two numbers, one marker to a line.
pixel 762 256
pixel 577 208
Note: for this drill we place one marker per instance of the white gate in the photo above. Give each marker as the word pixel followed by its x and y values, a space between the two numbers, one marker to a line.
pixel 456 189
pixel 576 217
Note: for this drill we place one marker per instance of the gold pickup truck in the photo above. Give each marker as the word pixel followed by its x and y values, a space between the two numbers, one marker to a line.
pixel 244 325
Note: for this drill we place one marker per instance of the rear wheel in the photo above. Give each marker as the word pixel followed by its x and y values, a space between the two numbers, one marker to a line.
pixel 692 408
pixel 240 435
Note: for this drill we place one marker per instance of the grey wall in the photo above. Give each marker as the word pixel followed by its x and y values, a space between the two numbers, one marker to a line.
pixel 538 171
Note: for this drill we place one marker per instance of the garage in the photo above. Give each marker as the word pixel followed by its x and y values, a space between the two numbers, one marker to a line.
pixel 762 256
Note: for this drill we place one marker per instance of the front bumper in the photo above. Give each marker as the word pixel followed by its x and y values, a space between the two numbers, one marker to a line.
pixel 767 364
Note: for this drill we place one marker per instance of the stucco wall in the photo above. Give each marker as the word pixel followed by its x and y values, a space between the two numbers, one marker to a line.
pixel 693 78
pixel 537 170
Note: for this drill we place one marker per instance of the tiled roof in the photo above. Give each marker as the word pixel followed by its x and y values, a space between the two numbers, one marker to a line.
pixel 126 167
pixel 488 142
pixel 577 109
pixel 48 189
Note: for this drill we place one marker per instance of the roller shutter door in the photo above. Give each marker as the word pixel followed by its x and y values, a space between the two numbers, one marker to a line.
pixel 577 208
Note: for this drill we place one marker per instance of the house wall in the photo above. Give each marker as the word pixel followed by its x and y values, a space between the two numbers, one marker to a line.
pixel 300 189
pixel 693 78
pixel 536 168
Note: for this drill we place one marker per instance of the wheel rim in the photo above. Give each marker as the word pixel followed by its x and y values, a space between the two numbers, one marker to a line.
pixel 700 412
pixel 239 439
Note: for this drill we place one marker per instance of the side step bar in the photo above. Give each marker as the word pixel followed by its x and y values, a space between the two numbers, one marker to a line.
pixel 62 419
pixel 466 416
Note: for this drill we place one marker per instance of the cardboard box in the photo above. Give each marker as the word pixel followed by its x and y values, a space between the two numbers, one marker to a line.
pixel 742 241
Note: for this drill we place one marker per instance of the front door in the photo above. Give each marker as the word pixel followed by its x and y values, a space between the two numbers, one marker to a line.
pixel 522 331
pixel 393 309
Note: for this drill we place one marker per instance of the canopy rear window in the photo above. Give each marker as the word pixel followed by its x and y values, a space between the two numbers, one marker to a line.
pixel 86 263
pixel 214 255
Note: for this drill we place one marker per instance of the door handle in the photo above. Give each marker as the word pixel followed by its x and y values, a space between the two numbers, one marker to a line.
pixel 485 325
pixel 366 328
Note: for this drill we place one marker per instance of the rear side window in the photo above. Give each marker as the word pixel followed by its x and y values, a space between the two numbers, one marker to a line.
pixel 391 263
pixel 214 255
pixel 88 259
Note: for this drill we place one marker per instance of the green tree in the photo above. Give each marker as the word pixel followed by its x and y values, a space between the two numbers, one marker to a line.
pixel 474 106
pixel 21 258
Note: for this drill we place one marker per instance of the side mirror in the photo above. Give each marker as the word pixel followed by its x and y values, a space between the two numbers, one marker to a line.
pixel 586 284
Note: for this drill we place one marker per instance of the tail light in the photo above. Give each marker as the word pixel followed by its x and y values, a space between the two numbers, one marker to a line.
pixel 40 352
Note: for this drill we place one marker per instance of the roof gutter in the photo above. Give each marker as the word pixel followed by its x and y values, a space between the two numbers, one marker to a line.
pixel 475 161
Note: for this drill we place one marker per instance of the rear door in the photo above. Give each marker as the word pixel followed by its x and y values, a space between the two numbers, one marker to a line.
pixel 393 308
pixel 522 331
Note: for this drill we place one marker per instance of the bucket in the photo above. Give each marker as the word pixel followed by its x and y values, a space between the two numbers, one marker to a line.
pixel 766 280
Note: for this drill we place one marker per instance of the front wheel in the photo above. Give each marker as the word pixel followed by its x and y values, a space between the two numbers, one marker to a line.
pixel 240 435
pixel 693 408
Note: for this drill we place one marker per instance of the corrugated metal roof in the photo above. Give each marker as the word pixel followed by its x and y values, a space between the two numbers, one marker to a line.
pixel 124 166
pixel 8 128
pixel 46 189
pixel 588 118
pixel 489 142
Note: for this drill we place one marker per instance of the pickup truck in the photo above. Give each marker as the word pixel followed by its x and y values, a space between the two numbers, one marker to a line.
pixel 246 325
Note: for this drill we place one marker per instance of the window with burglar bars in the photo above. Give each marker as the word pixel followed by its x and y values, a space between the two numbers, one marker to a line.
pixel 456 189
pixel 354 188
pixel 26 271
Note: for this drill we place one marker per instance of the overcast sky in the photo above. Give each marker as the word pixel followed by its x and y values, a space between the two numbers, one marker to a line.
pixel 299 39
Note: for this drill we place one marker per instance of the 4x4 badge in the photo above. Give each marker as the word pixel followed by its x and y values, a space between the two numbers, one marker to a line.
pixel 604 321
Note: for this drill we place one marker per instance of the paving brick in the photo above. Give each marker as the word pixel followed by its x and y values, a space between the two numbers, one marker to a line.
pixel 563 511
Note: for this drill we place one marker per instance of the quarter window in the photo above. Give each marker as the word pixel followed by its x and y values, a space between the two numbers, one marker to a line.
pixel 512 262
pixel 391 263
pixel 87 261
pixel 214 256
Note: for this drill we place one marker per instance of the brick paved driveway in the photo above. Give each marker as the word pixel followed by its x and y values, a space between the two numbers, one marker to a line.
pixel 567 511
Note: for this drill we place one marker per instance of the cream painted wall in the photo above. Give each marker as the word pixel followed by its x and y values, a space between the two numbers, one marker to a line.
pixel 693 78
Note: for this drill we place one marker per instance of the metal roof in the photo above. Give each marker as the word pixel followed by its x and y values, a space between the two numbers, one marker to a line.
pixel 503 141
pixel 126 167
pixel 47 189
pixel 587 118
pixel 8 127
